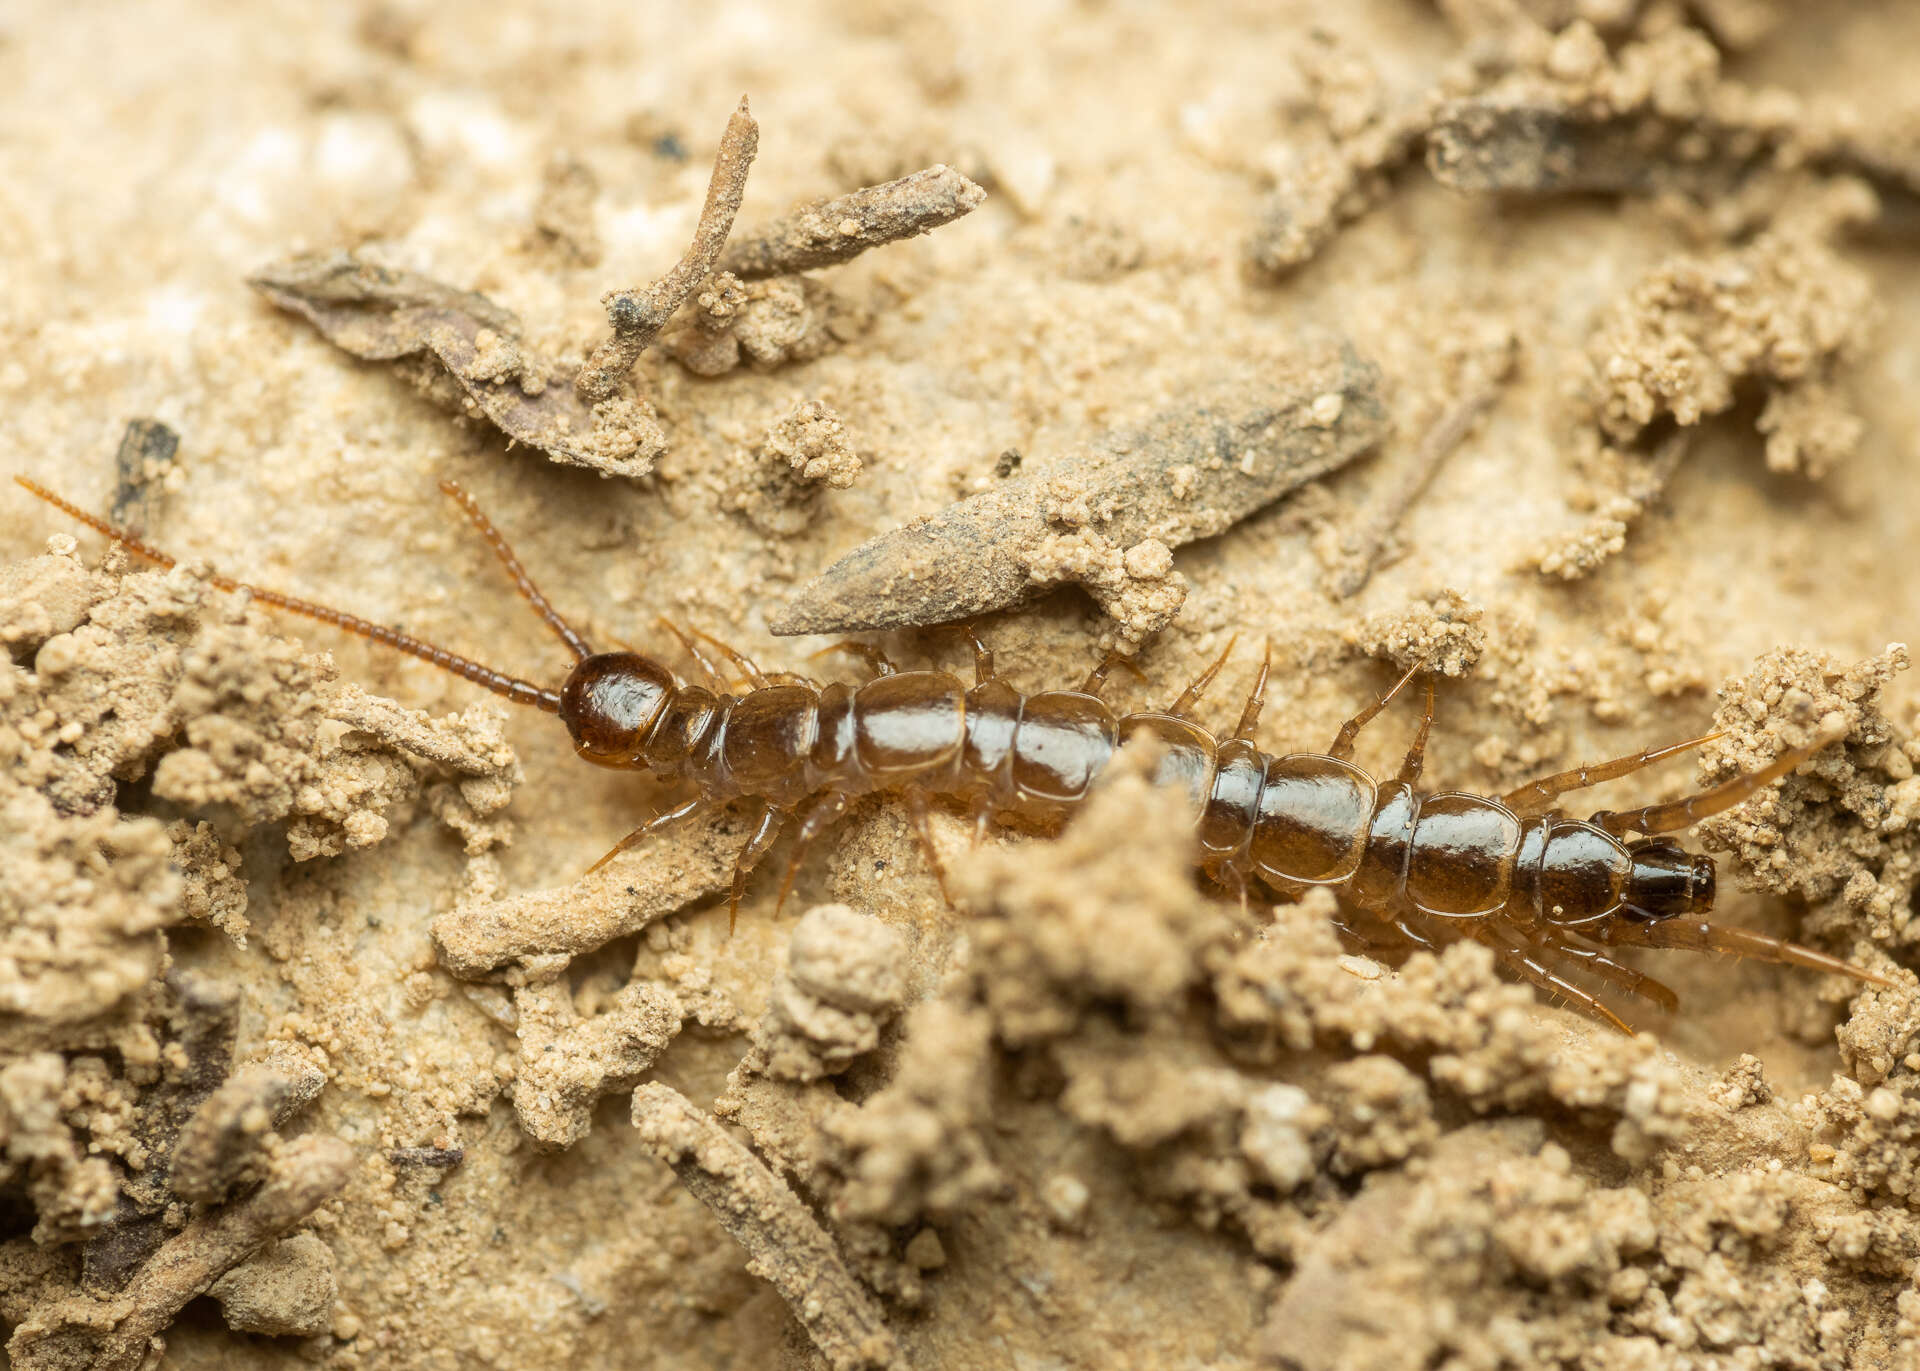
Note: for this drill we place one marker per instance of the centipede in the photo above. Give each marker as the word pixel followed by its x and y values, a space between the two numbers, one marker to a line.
pixel 1548 894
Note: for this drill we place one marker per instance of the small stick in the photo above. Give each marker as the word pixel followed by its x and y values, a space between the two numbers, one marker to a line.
pixel 480 939
pixel 1378 524
pixel 785 1244
pixel 638 316
pixel 1228 449
pixel 829 232
pixel 309 1171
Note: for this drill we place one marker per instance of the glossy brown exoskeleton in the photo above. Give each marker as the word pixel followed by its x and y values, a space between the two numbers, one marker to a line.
pixel 1543 891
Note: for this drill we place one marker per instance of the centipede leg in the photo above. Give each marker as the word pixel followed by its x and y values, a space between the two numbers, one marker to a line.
pixel 1256 698
pixel 1416 758
pixel 1097 678
pixel 982 655
pixel 1523 961
pixel 708 668
pixel 1419 937
pixel 826 810
pixel 919 809
pixel 1232 874
pixel 1693 935
pixel 1343 741
pixel 1182 707
pixel 755 676
pixel 981 813
pixel 659 823
pixel 1596 963
pixel 876 661
pixel 764 837
pixel 1536 795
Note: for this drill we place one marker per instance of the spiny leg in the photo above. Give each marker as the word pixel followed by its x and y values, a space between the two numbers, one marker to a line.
pixel 1535 796
pixel 1693 935
pixel 981 812
pixel 1416 758
pixel 1182 707
pixel 1097 678
pixel 708 668
pixel 1232 875
pixel 877 661
pixel 1343 741
pixel 982 655
pixel 518 691
pixel 764 837
pixel 1256 698
pixel 521 581
pixel 1595 962
pixel 1421 938
pixel 826 810
pixel 755 676
pixel 1679 814
pixel 919 808
pixel 659 822
pixel 1521 959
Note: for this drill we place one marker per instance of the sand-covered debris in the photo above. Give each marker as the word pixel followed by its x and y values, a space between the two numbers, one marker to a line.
pixel 777 484
pixel 1784 313
pixel 148 1148
pixel 321 1051
pixel 466 354
pixel 1108 518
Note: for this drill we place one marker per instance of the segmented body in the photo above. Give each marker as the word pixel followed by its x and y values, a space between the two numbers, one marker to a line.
pixel 1542 890
pixel 1293 821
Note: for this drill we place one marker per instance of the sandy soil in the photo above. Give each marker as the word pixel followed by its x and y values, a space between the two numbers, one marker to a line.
pixel 317 1047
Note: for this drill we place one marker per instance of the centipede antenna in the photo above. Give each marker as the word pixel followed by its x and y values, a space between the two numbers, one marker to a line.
pixel 518 691
pixel 521 581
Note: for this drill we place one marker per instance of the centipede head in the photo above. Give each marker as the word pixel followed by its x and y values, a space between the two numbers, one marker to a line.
pixel 609 702
pixel 1667 881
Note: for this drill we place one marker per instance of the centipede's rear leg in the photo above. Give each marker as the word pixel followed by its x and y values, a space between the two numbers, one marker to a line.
pixel 1694 935
pixel 1691 809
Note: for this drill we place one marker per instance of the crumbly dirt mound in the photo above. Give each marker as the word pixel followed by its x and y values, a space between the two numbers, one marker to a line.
pixel 320 1042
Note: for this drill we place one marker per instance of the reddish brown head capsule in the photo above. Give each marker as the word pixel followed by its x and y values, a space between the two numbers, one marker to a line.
pixel 609 703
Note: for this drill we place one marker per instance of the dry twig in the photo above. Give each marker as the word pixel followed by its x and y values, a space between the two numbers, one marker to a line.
pixel 638 316
pixel 829 232
pixel 785 1244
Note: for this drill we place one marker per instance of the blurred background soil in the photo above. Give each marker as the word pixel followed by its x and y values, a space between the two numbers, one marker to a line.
pixel 1098 1120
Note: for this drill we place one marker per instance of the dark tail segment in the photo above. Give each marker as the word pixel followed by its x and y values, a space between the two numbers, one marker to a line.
pixel 518 691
